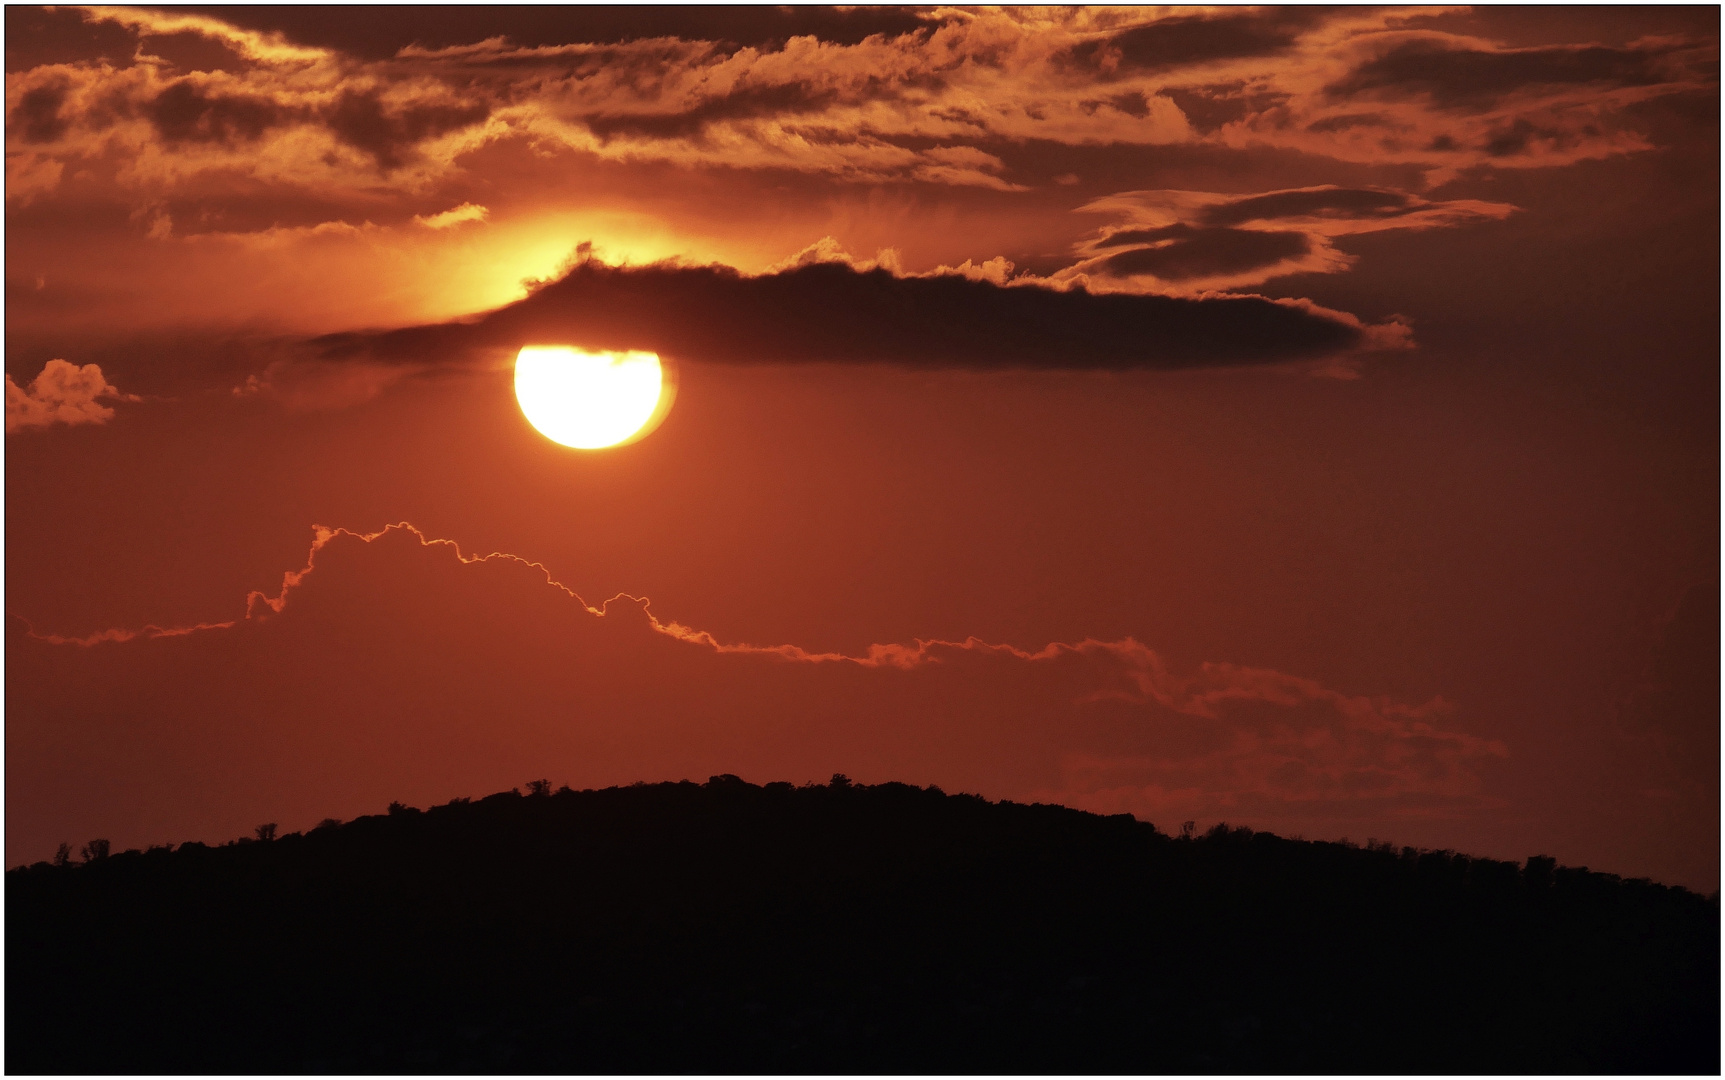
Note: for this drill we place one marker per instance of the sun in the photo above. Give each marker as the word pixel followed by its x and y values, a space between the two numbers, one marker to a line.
pixel 590 400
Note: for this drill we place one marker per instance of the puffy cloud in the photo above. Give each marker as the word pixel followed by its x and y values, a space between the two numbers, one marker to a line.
pixel 393 666
pixel 37 113
pixel 362 120
pixel 185 111
pixel 64 393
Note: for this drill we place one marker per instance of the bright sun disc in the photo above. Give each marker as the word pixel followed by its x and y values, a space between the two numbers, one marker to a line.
pixel 589 400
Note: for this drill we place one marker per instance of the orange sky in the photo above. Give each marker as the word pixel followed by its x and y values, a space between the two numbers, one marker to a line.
pixel 1302 419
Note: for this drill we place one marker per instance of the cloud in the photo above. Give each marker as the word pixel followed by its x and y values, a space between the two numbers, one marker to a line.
pixel 63 393
pixel 394 666
pixel 826 308
pixel 185 111
pixel 911 101
pixel 1458 101
pixel 309 385
pixel 432 29
pixel 739 103
pixel 1171 42
pixel 37 113
pixel 1329 203
pixel 1179 253
pixel 1468 76
pixel 459 215
pixel 390 134
pixel 1193 241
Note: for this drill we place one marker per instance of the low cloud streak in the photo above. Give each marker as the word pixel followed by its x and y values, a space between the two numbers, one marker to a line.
pixel 394 666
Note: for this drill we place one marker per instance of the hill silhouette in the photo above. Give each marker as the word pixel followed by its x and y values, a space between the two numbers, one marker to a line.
pixel 727 927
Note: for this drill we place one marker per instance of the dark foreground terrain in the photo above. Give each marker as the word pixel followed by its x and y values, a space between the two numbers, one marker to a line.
pixel 725 927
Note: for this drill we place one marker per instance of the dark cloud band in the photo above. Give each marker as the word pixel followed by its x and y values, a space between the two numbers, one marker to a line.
pixel 1462 78
pixel 832 312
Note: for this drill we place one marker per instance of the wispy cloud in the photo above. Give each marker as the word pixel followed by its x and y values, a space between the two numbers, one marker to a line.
pixel 929 105
pixel 459 215
pixel 1197 241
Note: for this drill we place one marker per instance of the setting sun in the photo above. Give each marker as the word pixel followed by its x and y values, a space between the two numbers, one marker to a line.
pixel 589 400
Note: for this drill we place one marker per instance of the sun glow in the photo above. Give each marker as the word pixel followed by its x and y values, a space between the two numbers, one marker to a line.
pixel 589 400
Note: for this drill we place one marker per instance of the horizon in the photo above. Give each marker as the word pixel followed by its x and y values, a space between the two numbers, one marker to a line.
pixel 99 849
